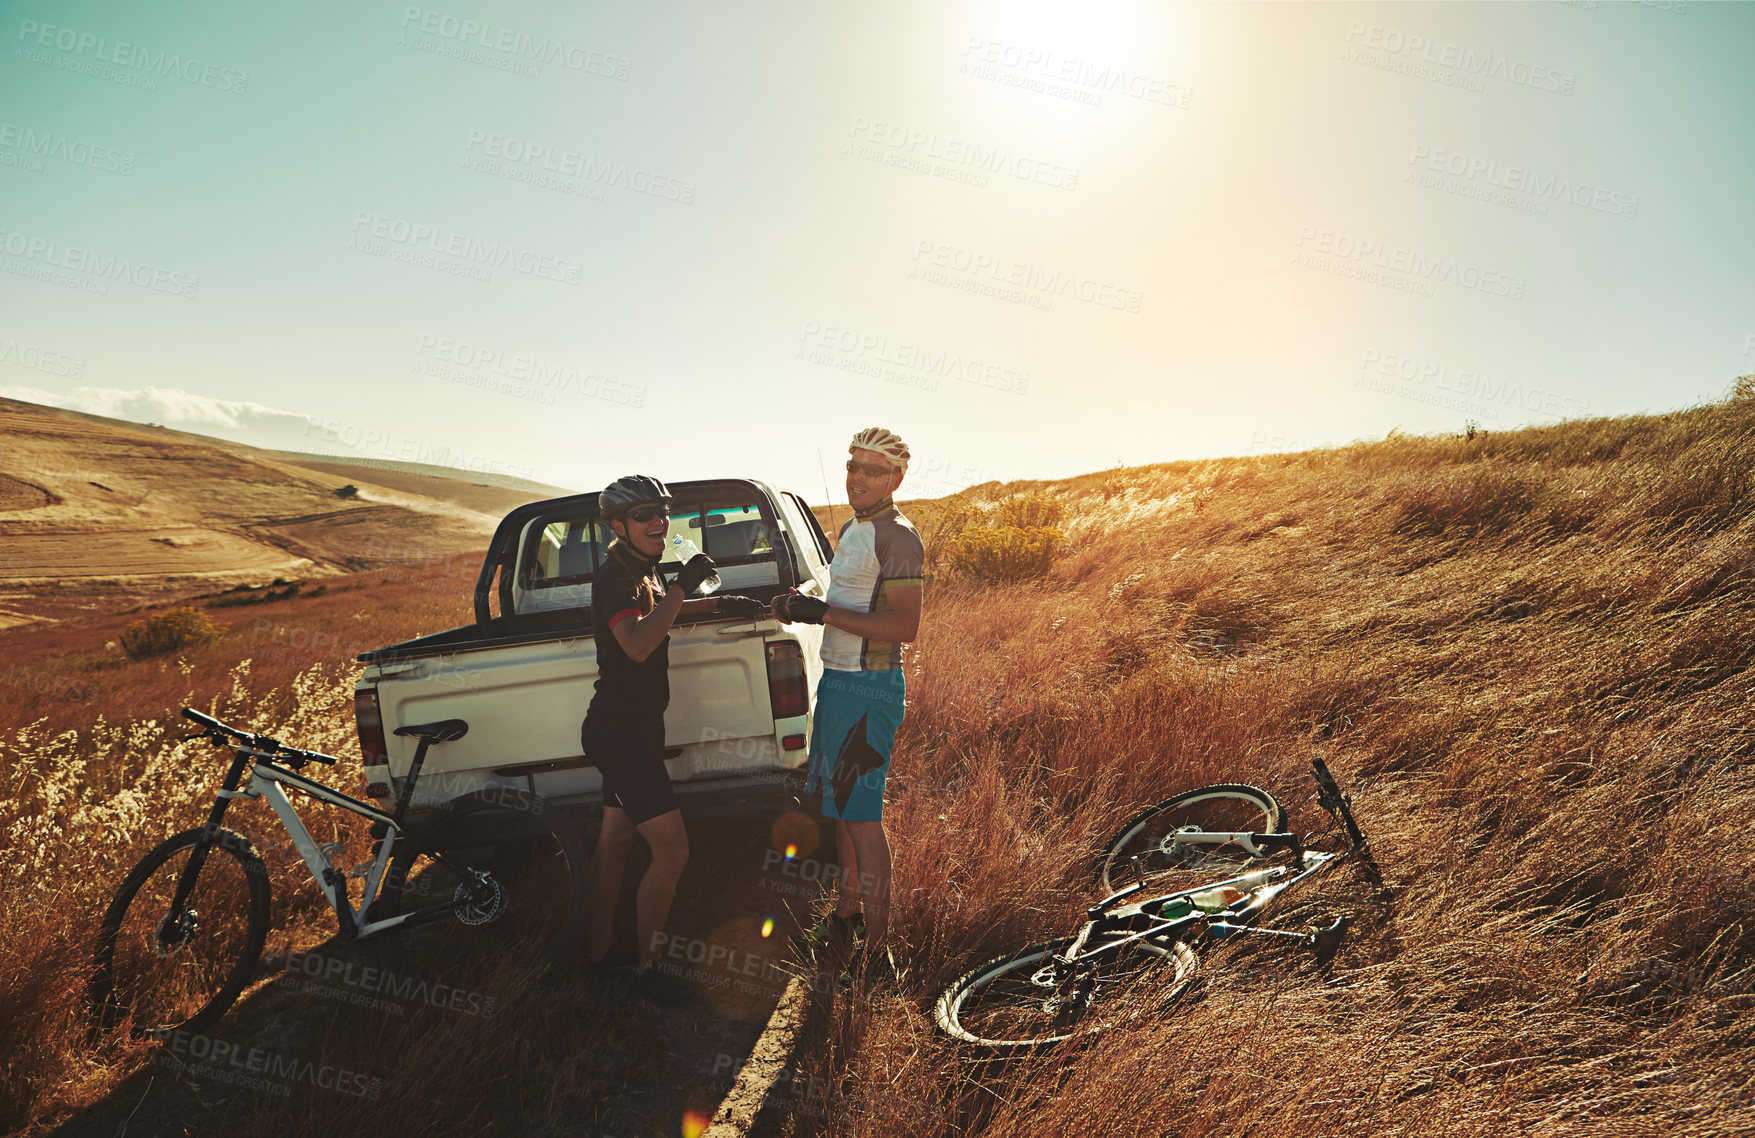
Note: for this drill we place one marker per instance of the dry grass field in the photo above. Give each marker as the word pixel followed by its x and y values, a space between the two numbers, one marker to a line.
pixel 1526 652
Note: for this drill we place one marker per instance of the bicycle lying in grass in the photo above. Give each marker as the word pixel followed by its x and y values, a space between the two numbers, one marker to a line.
pixel 1188 871
pixel 182 938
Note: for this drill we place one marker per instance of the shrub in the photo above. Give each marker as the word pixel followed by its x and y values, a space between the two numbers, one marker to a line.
pixel 986 542
pixel 168 632
pixel 994 554
pixel 1033 510
pixel 941 523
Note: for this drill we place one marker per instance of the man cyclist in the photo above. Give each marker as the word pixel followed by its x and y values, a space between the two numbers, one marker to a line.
pixel 631 616
pixel 871 610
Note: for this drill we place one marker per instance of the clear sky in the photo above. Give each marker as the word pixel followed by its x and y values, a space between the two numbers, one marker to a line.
pixel 570 241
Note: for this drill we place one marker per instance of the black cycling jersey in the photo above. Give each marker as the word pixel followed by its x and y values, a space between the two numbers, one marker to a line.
pixel 631 696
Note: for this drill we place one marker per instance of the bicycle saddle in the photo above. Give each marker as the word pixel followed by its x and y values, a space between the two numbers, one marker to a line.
pixel 444 731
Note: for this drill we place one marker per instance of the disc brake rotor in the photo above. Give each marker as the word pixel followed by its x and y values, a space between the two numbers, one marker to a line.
pixel 481 901
pixel 1178 853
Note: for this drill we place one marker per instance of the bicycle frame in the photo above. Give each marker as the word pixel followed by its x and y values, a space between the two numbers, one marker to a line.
pixel 1109 914
pixel 266 782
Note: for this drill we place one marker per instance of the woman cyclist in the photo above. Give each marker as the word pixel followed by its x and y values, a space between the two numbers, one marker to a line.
pixel 631 615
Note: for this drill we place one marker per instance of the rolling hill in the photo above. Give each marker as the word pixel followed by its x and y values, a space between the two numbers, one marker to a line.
pixel 104 503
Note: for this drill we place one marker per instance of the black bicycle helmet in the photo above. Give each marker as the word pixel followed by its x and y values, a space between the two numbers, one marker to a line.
pixel 630 492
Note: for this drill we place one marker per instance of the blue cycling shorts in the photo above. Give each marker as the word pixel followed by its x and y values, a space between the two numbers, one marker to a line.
pixel 850 740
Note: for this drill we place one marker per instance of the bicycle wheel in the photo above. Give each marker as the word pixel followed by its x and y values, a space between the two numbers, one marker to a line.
pixel 158 971
pixel 1025 1000
pixel 1169 863
pixel 521 875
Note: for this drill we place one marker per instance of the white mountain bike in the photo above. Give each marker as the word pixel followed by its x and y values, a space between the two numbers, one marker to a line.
pixel 182 938
pixel 1194 869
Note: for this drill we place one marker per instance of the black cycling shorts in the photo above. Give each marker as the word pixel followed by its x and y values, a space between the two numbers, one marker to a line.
pixel 634 778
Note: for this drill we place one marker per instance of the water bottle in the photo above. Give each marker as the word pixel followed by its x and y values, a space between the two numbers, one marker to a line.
pixel 1217 900
pixel 1175 909
pixel 685 552
pixel 1222 897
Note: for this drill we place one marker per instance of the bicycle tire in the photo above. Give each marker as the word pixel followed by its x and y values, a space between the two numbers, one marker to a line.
pixel 1007 1006
pixel 155 988
pixel 1168 867
pixel 537 859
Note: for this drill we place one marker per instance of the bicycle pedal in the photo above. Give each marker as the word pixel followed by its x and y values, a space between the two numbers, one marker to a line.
pixel 1325 942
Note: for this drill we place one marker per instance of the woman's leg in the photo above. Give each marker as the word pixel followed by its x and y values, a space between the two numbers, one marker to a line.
pixel 670 853
pixel 608 862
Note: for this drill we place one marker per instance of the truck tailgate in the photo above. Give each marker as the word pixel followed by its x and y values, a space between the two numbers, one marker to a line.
pixel 718 685
pixel 524 706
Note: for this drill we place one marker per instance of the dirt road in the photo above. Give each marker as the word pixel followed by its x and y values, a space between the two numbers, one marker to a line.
pixel 324 1044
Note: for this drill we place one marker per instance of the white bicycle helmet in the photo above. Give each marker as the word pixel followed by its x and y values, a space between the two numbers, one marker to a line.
pixel 885 443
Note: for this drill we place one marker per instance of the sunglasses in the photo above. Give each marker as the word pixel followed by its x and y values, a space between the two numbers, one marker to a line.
pixel 869 469
pixel 646 513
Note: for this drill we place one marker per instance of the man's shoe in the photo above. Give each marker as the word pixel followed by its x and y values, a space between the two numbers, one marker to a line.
pixel 835 929
pixel 866 968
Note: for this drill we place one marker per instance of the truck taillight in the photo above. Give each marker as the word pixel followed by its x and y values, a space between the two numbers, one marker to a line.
pixel 786 687
pixel 371 726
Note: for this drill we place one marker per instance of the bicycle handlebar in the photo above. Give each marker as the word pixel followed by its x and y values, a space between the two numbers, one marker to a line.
pixel 219 732
pixel 210 723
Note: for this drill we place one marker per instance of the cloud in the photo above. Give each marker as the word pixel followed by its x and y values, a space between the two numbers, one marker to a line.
pixel 170 406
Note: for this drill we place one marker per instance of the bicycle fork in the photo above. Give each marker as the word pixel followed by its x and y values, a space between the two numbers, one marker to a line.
pixel 181 918
pixel 1331 798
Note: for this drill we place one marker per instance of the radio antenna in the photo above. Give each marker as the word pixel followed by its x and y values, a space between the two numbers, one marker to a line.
pixel 822 470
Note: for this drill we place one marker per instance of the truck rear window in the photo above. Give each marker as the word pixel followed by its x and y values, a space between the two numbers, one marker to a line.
pixel 562 553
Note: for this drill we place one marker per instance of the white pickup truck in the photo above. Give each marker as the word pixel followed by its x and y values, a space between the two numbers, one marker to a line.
pixel 522 675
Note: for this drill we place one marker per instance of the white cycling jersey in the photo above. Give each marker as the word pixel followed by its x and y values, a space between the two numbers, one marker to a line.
pixel 874 553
